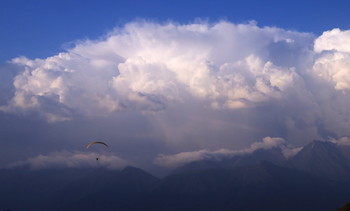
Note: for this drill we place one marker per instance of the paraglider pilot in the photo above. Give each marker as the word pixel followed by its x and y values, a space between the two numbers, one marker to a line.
pixel 97 142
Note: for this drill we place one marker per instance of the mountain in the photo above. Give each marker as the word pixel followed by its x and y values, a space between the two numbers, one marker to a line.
pixel 320 158
pixel 273 155
pixel 23 189
pixel 71 189
pixel 324 159
pixel 104 189
pixel 316 178
pixel 345 150
pixel 262 186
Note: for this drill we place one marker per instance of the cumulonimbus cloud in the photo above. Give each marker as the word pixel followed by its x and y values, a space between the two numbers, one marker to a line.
pixel 67 159
pixel 147 66
pixel 302 80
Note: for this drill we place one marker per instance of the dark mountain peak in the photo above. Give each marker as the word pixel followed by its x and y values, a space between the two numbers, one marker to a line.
pixel 320 144
pixel 197 166
pixel 322 158
pixel 131 169
pixel 137 174
pixel 319 150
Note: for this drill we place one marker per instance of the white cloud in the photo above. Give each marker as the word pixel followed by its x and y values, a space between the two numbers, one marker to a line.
pixel 335 39
pixel 147 66
pixel 341 141
pixel 182 158
pixel 333 64
pixel 202 83
pixel 75 159
pixel 268 142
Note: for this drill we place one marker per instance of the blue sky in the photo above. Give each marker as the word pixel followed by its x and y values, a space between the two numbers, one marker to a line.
pixel 41 28
pixel 167 82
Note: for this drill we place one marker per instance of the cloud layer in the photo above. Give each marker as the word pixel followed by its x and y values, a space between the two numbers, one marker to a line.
pixel 76 159
pixel 176 160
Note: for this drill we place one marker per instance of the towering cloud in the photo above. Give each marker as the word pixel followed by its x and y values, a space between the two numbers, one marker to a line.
pixel 201 85
pixel 146 66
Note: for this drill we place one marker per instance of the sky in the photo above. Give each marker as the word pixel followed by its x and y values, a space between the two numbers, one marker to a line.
pixel 169 82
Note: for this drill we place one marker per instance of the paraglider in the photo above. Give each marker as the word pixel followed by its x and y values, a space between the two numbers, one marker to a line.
pixel 96 142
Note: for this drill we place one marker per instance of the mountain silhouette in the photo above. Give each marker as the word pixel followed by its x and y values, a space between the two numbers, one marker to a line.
pixel 324 159
pixel 72 189
pixel 262 186
pixel 316 178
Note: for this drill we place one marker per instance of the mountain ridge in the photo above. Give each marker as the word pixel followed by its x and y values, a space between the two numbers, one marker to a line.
pixel 262 180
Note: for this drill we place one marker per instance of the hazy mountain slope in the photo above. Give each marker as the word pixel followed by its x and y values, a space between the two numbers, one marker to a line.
pixel 323 159
pixel 345 150
pixel 25 189
pixel 105 190
pixel 262 186
pixel 273 155
pixel 71 189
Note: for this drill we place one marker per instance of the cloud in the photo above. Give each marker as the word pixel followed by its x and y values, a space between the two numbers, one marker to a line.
pixel 335 39
pixel 333 62
pixel 182 158
pixel 192 86
pixel 66 159
pixel 147 66
pixel 345 141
